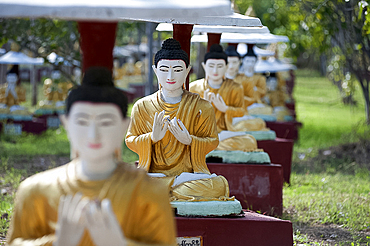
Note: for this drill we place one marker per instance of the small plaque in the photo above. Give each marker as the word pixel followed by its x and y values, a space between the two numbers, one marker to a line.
pixel 189 241
pixel 13 129
pixel 53 122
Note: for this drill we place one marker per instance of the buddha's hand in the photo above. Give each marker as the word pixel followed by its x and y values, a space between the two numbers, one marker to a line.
pixel 209 96
pixel 102 224
pixel 219 103
pixel 70 225
pixel 160 126
pixel 180 132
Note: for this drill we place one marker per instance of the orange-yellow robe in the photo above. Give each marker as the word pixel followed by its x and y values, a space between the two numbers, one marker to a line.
pixel 140 204
pixel 232 94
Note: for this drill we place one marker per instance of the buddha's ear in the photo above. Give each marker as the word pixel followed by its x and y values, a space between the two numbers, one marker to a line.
pixel 125 124
pixel 63 118
pixel 188 70
pixel 204 66
pixel 155 69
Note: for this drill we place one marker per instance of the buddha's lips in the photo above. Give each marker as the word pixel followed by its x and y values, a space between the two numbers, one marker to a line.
pixel 215 74
pixel 95 146
pixel 171 82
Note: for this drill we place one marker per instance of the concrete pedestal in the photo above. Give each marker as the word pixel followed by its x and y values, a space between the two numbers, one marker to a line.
pixel 250 229
pixel 35 126
pixel 288 130
pixel 280 151
pixel 257 187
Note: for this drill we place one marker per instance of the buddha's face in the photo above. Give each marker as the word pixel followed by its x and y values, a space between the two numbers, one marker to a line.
pixel 271 84
pixel 11 79
pixel 171 74
pixel 215 69
pixel 55 74
pixel 95 130
pixel 233 64
pixel 248 64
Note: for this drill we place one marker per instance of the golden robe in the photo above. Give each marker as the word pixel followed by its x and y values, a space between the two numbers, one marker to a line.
pixel 10 100
pixel 139 203
pixel 254 88
pixel 232 94
pixel 171 157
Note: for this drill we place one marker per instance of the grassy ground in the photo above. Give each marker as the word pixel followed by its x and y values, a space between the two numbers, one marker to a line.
pixel 328 200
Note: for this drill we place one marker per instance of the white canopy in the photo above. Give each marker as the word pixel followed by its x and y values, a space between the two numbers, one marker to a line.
pixel 113 10
pixel 13 57
pixel 272 65
pixel 168 27
pixel 54 58
pixel 250 38
pixel 208 18
pixel 242 49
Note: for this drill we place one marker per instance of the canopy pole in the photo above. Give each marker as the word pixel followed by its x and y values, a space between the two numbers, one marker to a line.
pixel 182 33
pixel 213 38
pixel 97 41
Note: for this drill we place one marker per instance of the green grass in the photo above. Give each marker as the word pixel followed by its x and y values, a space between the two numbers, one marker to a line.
pixel 330 199
pixel 326 121
pixel 329 190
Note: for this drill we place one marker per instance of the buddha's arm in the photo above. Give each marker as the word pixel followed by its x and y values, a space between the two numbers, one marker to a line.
pixel 138 140
pixel 21 92
pixel 156 226
pixel 235 104
pixel 261 86
pixel 205 139
pixel 29 225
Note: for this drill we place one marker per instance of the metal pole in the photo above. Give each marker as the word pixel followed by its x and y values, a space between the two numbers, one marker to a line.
pixel 34 85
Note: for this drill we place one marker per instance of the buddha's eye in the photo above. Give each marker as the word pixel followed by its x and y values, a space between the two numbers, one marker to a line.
pixel 106 122
pixel 177 70
pixel 82 121
pixel 165 70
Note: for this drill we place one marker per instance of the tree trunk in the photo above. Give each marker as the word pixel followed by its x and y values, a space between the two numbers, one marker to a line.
pixel 365 90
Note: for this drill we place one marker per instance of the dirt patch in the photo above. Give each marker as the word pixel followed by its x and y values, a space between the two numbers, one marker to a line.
pixel 331 235
pixel 35 164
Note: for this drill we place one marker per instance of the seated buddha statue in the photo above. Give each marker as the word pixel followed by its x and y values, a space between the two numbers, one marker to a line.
pixel 254 85
pixel 96 199
pixel 227 98
pixel 172 130
pixel 276 96
pixel 11 93
pixel 55 90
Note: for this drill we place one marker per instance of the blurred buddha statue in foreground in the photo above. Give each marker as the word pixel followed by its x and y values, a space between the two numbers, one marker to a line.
pixel 95 199
pixel 254 85
pixel 172 130
pixel 227 98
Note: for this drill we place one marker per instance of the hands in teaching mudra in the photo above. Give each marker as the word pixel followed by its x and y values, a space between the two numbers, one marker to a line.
pixel 216 99
pixel 163 123
pixel 75 214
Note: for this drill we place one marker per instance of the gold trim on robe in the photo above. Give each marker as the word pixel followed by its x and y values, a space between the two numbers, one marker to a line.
pixel 139 203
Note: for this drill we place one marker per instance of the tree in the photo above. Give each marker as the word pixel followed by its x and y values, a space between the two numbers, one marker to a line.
pixel 316 25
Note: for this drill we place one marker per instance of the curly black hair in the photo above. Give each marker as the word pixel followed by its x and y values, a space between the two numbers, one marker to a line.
pixel 171 50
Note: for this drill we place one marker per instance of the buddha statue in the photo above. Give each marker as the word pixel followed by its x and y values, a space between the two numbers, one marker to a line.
pixel 276 97
pixel 172 130
pixel 227 98
pixel 95 199
pixel 55 90
pixel 254 85
pixel 11 93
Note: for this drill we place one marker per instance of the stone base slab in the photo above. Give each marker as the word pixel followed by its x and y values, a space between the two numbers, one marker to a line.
pixel 207 208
